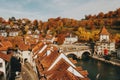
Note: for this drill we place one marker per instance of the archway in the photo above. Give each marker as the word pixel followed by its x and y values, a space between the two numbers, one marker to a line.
pixel 73 56
pixel 25 60
pixel 85 56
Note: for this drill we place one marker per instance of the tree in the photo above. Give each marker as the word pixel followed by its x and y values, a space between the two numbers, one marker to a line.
pixel 118 12
pixel 100 15
pixel 35 22
pixel 1 20
pixel 83 34
pixel 88 17
pixel 61 38
pixel 95 35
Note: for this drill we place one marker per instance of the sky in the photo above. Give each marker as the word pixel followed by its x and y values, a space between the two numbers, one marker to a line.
pixel 45 9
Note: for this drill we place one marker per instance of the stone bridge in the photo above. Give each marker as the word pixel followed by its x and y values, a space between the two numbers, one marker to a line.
pixel 78 54
pixel 77 50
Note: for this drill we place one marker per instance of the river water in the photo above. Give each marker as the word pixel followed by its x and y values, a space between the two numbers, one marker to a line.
pixel 101 70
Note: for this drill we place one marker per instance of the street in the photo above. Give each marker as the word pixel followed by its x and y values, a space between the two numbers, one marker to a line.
pixel 27 73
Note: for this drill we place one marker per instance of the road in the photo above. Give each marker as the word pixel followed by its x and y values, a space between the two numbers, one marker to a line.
pixel 27 73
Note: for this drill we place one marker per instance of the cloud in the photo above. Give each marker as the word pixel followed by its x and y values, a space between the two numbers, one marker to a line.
pixel 44 9
pixel 91 7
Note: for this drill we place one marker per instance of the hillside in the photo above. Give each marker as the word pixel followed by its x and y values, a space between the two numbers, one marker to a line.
pixel 111 20
pixel 90 26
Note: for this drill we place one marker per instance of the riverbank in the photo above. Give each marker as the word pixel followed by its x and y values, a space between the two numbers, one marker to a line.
pixel 111 61
pixel 106 71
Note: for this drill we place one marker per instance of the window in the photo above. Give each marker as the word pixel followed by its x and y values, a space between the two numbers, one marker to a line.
pixel 0 64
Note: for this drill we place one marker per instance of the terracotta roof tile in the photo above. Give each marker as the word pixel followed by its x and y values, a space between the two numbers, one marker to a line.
pixel 4 45
pixel 23 47
pixel 79 68
pixel 49 37
pixel 48 60
pixel 85 78
pixel 38 47
pixel 60 72
pixel 104 31
pixel 5 56
pixel 73 61
pixel 1 38
pixel 62 76
pixel 43 53
pixel 84 73
pixel 39 65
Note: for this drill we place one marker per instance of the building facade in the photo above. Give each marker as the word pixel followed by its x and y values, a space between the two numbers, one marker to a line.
pixel 70 39
pixel 105 45
pixel 5 67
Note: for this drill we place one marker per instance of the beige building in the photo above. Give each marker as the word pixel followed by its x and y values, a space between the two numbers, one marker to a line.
pixel 104 43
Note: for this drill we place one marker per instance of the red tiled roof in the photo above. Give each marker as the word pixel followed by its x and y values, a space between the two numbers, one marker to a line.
pixel 60 72
pixel 23 47
pixel 56 39
pixel 1 38
pixel 104 31
pixel 79 68
pixel 42 54
pixel 49 37
pixel 73 61
pixel 38 47
pixel 84 73
pixel 4 45
pixel 5 56
pixel 48 60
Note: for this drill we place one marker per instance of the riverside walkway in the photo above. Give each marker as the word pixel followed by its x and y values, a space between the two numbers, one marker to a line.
pixel 112 61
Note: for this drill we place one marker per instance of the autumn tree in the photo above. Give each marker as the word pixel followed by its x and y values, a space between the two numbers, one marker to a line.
pixel 1 20
pixel 95 35
pixel 61 38
pixel 117 40
pixel 118 12
pixel 88 16
pixel 100 15
pixel 83 34
pixel 40 23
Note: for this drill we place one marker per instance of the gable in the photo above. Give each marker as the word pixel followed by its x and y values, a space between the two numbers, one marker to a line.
pixel 61 56
pixel 5 57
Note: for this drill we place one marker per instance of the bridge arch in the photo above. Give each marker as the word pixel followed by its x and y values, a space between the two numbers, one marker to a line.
pixel 72 55
pixel 78 54
pixel 85 55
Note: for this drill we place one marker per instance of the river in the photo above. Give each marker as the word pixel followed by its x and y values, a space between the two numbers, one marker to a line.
pixel 102 70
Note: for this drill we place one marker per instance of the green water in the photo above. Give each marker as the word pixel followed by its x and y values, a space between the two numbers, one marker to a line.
pixel 94 67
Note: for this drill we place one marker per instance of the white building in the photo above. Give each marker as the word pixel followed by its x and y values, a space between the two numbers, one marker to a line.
pixel 70 39
pixel 3 33
pixel 29 32
pixel 25 56
pixel 104 43
pixel 5 67
pixel 13 33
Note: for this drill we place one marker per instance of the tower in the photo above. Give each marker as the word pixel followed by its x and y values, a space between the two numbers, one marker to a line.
pixel 104 35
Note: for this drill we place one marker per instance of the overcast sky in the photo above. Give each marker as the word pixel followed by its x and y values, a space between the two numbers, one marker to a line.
pixel 44 9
